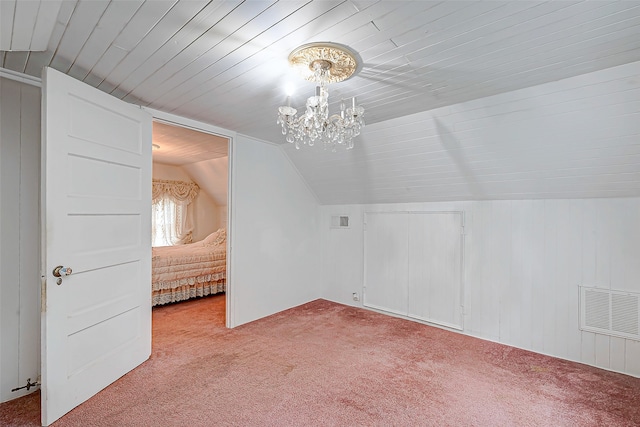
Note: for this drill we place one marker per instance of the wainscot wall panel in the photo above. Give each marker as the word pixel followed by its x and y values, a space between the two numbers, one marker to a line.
pixel 524 262
pixel 19 237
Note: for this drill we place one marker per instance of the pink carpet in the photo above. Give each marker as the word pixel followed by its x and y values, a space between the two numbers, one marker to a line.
pixel 328 364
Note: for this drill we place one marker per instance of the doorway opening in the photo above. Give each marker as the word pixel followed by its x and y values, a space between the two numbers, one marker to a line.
pixel 190 213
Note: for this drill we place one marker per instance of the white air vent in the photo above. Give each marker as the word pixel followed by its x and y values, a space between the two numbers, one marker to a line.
pixel 610 312
pixel 339 221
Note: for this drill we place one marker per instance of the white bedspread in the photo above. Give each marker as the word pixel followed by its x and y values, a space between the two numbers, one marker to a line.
pixel 176 268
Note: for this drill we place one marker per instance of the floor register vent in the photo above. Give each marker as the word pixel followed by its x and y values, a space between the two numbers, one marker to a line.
pixel 610 312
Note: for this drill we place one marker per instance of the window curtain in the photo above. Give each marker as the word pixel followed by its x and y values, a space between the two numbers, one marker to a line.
pixel 172 216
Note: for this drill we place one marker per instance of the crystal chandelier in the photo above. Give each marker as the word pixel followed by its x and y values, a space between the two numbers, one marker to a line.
pixel 323 63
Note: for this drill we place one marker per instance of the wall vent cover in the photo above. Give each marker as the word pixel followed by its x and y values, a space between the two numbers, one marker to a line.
pixel 339 221
pixel 610 312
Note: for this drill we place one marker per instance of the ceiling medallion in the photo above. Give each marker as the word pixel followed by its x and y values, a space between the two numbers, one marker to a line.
pixel 339 61
pixel 322 63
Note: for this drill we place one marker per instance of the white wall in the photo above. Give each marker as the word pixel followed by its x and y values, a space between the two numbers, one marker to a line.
pixel 275 253
pixel 524 258
pixel 524 261
pixel 207 214
pixel 19 236
pixel 213 178
pixel 212 175
pixel 169 172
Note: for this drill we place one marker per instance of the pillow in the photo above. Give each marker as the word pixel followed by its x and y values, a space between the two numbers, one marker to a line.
pixel 216 238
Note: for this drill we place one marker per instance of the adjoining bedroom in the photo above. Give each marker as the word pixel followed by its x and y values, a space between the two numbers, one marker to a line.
pixel 189 217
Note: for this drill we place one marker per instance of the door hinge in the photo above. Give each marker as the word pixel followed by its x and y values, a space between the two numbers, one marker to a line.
pixel 43 294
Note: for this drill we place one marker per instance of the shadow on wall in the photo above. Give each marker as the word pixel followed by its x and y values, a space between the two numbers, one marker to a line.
pixel 362 173
pixel 454 149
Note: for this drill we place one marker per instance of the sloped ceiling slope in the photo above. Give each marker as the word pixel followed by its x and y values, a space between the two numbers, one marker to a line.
pixel 211 175
pixel 574 138
pixel 224 62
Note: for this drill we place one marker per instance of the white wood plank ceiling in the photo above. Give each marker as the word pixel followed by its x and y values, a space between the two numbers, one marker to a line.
pixel 574 138
pixel 178 146
pixel 27 25
pixel 224 62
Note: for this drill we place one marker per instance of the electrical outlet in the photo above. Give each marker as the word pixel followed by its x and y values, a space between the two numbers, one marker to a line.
pixel 356 297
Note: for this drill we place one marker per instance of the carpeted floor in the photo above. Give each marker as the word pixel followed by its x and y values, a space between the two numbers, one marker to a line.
pixel 332 365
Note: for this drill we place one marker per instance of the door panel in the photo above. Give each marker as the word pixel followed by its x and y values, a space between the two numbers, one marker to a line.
pixel 386 258
pixel 435 275
pixel 97 207
pixel 413 265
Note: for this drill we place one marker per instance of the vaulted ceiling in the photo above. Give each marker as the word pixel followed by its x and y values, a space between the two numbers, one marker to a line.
pixel 224 62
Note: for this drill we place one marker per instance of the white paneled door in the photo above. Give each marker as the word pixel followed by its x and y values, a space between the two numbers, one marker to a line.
pixel 96 323
pixel 413 265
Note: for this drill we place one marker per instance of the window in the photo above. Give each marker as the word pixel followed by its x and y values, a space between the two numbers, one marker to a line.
pixel 166 222
pixel 171 218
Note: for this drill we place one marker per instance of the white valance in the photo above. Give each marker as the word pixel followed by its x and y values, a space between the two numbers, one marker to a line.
pixel 172 216
pixel 178 191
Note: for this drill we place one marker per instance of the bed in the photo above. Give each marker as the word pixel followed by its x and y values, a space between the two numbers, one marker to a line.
pixel 188 271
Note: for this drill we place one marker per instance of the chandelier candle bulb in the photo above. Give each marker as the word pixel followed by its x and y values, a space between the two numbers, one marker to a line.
pixel 322 63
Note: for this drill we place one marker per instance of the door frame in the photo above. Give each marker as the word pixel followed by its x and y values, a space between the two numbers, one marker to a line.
pixel 175 120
